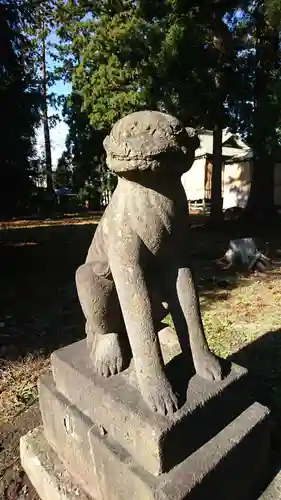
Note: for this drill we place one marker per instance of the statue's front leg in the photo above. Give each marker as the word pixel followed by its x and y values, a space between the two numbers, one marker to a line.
pixel 136 306
pixel 105 329
pixel 187 317
pixel 206 363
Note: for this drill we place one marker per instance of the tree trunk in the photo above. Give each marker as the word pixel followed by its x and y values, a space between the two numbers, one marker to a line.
pixel 48 153
pixel 261 206
pixel 220 42
pixel 216 215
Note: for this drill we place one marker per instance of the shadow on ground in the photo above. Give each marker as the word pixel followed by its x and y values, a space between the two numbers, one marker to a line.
pixel 39 308
pixel 263 360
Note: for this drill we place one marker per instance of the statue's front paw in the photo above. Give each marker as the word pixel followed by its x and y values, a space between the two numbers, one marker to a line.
pixel 159 396
pixel 208 366
pixel 106 355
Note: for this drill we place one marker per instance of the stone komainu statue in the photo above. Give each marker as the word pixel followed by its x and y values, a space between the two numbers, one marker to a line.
pixel 138 260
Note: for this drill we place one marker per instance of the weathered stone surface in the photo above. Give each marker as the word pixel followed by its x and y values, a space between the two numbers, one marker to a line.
pixel 138 267
pixel 66 431
pixel 46 472
pixel 155 441
pixel 228 466
pixel 139 140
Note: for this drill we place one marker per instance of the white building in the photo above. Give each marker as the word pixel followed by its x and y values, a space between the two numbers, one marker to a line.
pixel 236 173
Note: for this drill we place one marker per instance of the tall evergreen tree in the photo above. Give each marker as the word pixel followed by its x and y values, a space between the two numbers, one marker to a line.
pixel 84 149
pixel 39 28
pixel 170 55
pixel 199 61
pixel 19 108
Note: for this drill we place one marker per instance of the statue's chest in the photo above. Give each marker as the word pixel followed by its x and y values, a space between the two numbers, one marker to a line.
pixel 155 230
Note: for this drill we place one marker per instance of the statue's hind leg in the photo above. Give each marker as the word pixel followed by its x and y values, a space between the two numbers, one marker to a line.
pixel 106 335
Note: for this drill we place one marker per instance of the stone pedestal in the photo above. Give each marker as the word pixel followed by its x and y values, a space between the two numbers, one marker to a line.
pixel 108 445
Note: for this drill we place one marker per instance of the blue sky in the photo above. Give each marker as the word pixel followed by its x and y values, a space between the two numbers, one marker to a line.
pixel 59 132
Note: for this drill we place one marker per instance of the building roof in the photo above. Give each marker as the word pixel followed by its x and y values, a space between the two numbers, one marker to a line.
pixel 233 148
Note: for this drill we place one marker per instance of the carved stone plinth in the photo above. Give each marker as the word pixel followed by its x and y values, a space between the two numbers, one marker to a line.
pixel 112 446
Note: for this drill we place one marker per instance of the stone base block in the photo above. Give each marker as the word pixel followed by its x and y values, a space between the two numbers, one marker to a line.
pixel 154 441
pixel 45 471
pixel 228 466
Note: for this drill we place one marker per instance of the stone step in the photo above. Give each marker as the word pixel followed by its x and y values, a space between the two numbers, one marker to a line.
pixel 228 466
pixel 46 471
pixel 155 441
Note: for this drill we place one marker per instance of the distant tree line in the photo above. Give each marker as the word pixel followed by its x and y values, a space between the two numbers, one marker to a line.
pixel 213 64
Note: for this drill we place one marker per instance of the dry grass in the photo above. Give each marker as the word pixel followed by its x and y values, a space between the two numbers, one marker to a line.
pixel 65 220
pixel 40 310
pixel 18 386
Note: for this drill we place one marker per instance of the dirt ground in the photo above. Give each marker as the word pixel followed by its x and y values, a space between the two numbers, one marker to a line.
pixel 14 483
pixel 39 312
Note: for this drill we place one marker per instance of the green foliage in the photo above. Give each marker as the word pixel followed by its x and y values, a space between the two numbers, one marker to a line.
pixel 89 197
pixel 84 151
pixel 273 11
pixel 136 55
pixel 82 165
pixel 198 60
pixel 171 56
pixel 256 103
pixel 63 173
pixel 111 75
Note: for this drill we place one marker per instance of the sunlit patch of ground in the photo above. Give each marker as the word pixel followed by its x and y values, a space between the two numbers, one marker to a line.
pixel 243 314
pixel 60 221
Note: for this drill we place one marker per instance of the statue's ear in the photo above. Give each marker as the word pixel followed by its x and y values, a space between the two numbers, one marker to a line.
pixel 106 142
pixel 193 141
